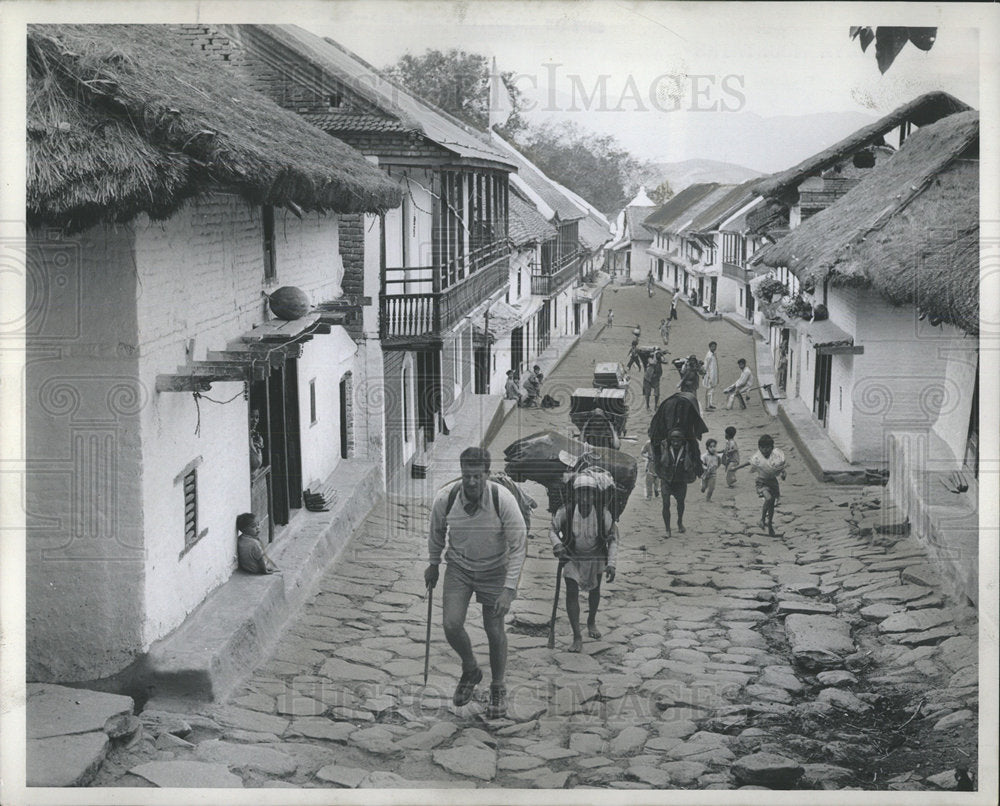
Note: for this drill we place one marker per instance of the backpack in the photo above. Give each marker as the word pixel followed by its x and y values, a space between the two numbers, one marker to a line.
pixel 524 501
pixel 569 539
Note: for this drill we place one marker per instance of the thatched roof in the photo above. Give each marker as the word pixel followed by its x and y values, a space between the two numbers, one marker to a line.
pixel 525 224
pixel 920 111
pixel 910 229
pixel 130 119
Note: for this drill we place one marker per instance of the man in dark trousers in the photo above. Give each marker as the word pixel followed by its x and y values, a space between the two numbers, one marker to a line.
pixel 633 356
pixel 485 534
pixel 676 469
pixel 651 379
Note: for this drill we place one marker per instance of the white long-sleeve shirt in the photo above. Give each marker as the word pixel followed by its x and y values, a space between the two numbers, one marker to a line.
pixel 711 370
pixel 481 541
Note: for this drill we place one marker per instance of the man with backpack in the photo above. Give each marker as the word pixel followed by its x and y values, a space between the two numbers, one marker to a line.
pixel 486 537
pixel 677 466
pixel 585 538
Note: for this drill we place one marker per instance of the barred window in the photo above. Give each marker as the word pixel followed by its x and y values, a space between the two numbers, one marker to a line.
pixel 190 508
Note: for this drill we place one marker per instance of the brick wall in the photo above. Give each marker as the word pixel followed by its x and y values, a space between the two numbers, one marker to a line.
pixel 352 254
pixel 200 277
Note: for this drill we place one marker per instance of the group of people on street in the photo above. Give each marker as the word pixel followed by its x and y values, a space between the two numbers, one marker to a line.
pixel 477 526
pixel 531 391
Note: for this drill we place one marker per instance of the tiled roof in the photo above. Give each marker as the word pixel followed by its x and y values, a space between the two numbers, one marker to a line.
pixel 526 225
pixel 724 206
pixel 674 209
pixel 353 122
pixel 539 184
pixel 413 112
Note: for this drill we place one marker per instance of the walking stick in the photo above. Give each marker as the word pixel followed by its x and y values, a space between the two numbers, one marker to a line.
pixel 427 648
pixel 555 607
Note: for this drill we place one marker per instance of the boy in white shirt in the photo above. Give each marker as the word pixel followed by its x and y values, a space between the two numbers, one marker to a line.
pixel 768 463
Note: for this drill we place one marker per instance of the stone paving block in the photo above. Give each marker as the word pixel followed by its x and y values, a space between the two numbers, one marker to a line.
pixel 897 593
pixel 913 620
pixel 806 607
pixel 71 760
pixel 343 776
pixel 59 710
pixel 471 762
pixel 954 719
pixel 843 699
pixel 837 678
pixel 926 637
pixel 246 757
pixel 656 777
pixel 190 774
pixel 518 762
pixel 377 740
pixel 244 719
pixel 337 669
pixel 767 769
pixel 820 641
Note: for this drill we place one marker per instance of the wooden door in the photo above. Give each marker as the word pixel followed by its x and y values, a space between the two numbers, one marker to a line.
pixel 821 387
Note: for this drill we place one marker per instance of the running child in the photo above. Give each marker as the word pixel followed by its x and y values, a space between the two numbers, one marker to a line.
pixel 768 463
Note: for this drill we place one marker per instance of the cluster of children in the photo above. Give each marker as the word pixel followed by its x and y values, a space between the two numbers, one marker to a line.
pixel 768 463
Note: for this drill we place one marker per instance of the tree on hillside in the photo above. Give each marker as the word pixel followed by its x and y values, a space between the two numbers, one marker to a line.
pixel 889 41
pixel 662 192
pixel 594 166
pixel 459 83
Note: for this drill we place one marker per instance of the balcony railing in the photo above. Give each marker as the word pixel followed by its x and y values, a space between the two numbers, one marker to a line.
pixel 547 285
pixel 410 306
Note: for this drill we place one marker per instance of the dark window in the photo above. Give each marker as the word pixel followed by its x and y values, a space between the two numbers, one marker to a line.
pixel 312 401
pixel 335 100
pixel 270 263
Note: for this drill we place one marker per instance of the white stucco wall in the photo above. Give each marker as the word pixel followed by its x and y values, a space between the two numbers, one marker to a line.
pixel 911 376
pixel 200 277
pixel 85 541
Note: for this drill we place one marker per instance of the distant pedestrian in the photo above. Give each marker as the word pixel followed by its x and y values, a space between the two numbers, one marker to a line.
pixel 783 367
pixel 710 460
pixel 737 390
pixel 665 331
pixel 637 332
pixel 649 283
pixel 611 317
pixel 673 304
pixel 652 480
pixel 585 537
pixel 711 379
pixel 633 356
pixel 768 463
pixel 532 390
pixel 510 387
pixel 691 373
pixel 537 371
pixel 250 554
pixel 485 535
pixel 731 456
pixel 651 379
pixel 693 298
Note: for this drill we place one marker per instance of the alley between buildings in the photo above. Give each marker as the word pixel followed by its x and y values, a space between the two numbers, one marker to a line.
pixel 824 658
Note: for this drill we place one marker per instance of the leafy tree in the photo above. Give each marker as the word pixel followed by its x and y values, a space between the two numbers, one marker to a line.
pixel 595 166
pixel 457 82
pixel 662 192
pixel 890 41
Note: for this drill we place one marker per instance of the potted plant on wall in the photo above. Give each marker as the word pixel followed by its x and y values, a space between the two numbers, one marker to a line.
pixel 768 290
pixel 797 307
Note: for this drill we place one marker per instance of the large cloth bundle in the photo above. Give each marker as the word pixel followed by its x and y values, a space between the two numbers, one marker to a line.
pixel 679 411
pixel 551 459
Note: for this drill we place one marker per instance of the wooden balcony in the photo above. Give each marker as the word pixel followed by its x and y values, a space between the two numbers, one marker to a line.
pixel 548 285
pixel 414 309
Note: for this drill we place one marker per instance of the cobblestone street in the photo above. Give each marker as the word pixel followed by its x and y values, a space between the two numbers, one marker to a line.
pixel 823 658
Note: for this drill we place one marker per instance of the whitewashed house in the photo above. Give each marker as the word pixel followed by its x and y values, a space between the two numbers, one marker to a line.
pixel 891 371
pixel 165 200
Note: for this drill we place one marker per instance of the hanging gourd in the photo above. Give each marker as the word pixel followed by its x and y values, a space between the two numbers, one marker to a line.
pixel 289 302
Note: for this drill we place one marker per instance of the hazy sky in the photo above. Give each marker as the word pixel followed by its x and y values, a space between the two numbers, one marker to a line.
pixel 681 80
